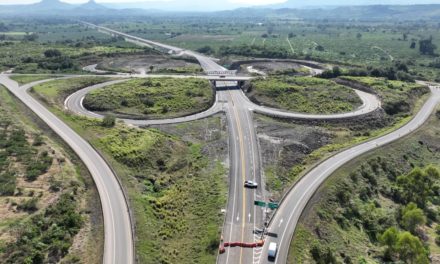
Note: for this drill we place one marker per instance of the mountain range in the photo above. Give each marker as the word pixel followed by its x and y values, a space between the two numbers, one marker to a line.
pixel 288 9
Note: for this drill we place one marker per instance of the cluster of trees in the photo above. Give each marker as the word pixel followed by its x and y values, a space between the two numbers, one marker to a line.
pixel 255 51
pixel 206 50
pixel 46 237
pixel 399 71
pixel 30 37
pixel 403 246
pixel 3 27
pixel 402 233
pixel 14 143
pixel 426 47
pixel 54 60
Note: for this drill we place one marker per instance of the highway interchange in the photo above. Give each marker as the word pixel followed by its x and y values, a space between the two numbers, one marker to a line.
pixel 242 217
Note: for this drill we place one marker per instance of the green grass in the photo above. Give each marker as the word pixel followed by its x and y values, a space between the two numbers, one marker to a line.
pixel 370 181
pixel 54 92
pixel 152 98
pixel 24 79
pixel 280 176
pixel 304 95
pixel 175 191
pixel 398 97
pixel 44 214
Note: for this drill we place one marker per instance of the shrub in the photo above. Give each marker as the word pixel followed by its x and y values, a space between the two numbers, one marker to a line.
pixel 50 53
pixel 108 121
pixel 29 205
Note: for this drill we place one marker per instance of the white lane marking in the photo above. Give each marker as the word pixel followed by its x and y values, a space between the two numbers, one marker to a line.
pixel 249 217
pixel 281 222
pixel 363 148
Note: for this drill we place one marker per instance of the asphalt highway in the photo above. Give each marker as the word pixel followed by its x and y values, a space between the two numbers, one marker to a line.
pixel 118 245
pixel 242 217
pixel 286 218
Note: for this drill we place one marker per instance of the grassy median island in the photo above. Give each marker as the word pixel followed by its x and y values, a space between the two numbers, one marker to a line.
pixel 381 207
pixel 152 98
pixel 304 95
pixel 24 79
pixel 49 207
pixel 398 97
pixel 176 187
pixel 291 148
pixel 55 92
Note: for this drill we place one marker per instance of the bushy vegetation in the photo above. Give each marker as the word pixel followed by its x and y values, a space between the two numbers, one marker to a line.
pixel 43 205
pixel 55 92
pixel 16 148
pixel 382 207
pixel 255 51
pixel 173 185
pixel 46 237
pixel 303 94
pixel 174 189
pixel 152 98
pixel 398 97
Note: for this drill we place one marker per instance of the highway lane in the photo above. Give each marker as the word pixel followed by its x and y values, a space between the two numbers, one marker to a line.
pixel 74 103
pixel 242 217
pixel 118 244
pixel 286 218
pixel 207 63
pixel 370 103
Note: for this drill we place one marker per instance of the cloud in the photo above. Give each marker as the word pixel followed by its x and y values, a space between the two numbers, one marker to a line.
pixel 256 2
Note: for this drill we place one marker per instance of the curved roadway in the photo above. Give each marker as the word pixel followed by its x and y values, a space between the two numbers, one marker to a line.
pixel 286 218
pixel 242 217
pixel 118 243
pixel 370 104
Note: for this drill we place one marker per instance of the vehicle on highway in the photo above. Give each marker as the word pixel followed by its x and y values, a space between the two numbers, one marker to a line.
pixel 250 184
pixel 272 252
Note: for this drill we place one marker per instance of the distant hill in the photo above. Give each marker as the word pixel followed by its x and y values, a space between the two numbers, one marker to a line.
pixel 92 5
pixel 367 12
pixel 48 5
pixel 371 12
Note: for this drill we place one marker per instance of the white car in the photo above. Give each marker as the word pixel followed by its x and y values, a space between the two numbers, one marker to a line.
pixel 250 184
pixel 272 252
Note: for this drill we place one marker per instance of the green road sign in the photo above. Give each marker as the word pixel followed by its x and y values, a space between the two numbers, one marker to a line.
pixel 260 203
pixel 272 205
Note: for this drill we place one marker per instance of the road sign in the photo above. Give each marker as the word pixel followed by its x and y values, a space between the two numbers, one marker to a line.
pixel 272 205
pixel 260 203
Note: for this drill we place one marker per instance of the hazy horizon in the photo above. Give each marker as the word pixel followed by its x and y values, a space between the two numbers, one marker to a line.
pixel 203 5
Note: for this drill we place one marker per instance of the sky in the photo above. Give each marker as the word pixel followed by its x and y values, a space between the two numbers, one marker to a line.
pixel 244 2
pixel 225 4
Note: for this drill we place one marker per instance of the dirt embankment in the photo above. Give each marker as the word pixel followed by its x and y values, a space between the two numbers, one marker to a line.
pixel 155 63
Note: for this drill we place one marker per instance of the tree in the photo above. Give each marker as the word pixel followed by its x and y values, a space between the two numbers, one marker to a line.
pixel 359 36
pixel 404 246
pixel 108 121
pixel 320 48
pixel 50 53
pixel 206 50
pixel 426 47
pixel 411 249
pixel 412 217
pixel 151 68
pixel 30 37
pixel 405 36
pixel 417 186
pixel 389 239
pixel 413 45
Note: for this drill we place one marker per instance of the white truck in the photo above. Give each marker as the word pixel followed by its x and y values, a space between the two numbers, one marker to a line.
pixel 272 252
